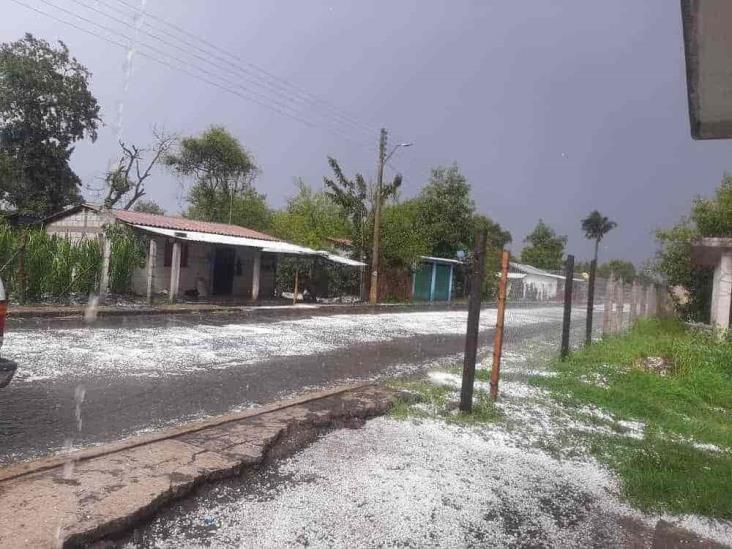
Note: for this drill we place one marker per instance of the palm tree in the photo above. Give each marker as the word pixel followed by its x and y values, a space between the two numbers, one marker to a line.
pixel 597 226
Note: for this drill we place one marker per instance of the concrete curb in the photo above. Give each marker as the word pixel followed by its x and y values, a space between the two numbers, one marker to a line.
pixel 58 460
pixel 73 500
pixel 20 312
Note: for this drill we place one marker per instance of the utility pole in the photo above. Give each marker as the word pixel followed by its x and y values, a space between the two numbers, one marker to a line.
pixel 374 291
pixel 383 159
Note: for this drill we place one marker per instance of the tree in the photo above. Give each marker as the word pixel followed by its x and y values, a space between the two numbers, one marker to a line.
pixel 148 206
pixel 358 200
pixel 710 217
pixel 223 173
pixel 545 248
pixel 619 269
pixel 45 107
pixel 310 218
pixel 133 169
pixel 402 241
pixel 496 240
pixel 596 226
pixel 446 212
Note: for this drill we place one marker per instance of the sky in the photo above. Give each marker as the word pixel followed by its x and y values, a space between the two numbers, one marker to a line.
pixel 551 109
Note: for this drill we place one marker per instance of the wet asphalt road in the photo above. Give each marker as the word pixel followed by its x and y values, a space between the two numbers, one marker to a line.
pixel 37 417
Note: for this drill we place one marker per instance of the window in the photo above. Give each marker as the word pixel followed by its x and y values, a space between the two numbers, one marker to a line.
pixel 169 254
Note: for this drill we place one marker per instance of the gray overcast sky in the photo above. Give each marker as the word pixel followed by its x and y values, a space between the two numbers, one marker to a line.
pixel 551 108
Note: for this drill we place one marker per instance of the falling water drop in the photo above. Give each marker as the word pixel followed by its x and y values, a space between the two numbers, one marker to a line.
pixel 92 306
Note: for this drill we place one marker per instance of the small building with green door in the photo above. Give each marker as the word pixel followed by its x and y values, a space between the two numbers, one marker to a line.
pixel 433 279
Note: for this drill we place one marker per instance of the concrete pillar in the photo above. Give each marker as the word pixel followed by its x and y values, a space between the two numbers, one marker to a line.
pixel 651 300
pixel 643 309
pixel 175 272
pixel 619 308
pixel 256 272
pixel 607 311
pixel 633 303
pixel 104 281
pixel 433 282
pixel 722 293
pixel 449 289
pixel 151 257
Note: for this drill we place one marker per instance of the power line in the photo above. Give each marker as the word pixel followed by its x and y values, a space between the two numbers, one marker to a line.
pixel 179 64
pixel 158 60
pixel 281 81
pixel 186 51
pixel 170 56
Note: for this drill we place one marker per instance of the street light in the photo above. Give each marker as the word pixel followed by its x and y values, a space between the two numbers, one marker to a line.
pixel 383 159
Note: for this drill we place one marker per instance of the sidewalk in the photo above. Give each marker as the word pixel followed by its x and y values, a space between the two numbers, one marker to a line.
pixel 68 501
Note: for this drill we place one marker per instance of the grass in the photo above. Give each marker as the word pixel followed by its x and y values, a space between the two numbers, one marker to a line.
pixel 424 400
pixel 692 404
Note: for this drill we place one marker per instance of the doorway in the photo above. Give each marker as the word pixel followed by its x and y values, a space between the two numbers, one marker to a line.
pixel 223 271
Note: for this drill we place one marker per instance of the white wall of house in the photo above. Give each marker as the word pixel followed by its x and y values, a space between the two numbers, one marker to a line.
pixel 198 274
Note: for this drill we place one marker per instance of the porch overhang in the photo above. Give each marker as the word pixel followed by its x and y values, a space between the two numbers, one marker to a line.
pixel 266 246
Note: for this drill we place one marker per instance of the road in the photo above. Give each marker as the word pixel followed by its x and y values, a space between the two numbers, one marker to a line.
pixel 80 385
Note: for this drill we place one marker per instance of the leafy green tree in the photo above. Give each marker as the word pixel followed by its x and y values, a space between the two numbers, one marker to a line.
pixel 45 107
pixel 222 172
pixel 496 241
pixel 446 212
pixel 402 241
pixel 310 218
pixel 545 248
pixel 619 269
pixel 596 226
pixel 247 208
pixel 710 217
pixel 148 206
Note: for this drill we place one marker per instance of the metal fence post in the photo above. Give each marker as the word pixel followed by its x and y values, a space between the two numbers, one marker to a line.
pixel 500 317
pixel 566 321
pixel 471 337
pixel 590 302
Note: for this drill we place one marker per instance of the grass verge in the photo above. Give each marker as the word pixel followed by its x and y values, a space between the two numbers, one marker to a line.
pixel 683 461
pixel 422 399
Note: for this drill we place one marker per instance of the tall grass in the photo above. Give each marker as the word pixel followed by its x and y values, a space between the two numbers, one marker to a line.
pixel 54 267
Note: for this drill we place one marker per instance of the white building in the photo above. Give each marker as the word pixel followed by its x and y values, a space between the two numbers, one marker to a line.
pixel 190 257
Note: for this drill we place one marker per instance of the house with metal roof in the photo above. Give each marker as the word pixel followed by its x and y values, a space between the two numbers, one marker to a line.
pixel 189 257
pixel 534 284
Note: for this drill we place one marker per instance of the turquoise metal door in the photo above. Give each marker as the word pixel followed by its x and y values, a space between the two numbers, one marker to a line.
pixel 422 282
pixel 442 283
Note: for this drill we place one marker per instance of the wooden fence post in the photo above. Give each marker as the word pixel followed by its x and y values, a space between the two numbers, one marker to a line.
pixel 500 318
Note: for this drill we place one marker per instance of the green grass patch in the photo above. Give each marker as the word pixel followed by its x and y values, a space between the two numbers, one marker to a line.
pixel 692 403
pixel 422 400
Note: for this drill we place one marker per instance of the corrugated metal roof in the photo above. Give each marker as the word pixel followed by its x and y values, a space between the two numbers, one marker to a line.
pixel 431 259
pixel 528 269
pixel 269 246
pixel 183 224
